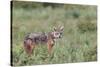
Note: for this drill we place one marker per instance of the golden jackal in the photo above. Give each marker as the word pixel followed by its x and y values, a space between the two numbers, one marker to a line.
pixel 32 39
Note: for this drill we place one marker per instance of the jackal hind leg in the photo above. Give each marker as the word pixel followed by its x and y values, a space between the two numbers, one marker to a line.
pixel 28 47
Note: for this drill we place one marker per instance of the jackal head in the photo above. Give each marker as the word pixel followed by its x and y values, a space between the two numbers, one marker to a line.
pixel 57 33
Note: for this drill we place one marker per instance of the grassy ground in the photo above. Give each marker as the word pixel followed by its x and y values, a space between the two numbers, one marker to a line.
pixel 79 42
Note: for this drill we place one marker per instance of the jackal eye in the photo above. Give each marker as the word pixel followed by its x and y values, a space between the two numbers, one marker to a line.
pixel 60 33
pixel 57 33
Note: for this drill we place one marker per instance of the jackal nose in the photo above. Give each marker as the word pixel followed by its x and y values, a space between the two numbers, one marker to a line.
pixel 60 36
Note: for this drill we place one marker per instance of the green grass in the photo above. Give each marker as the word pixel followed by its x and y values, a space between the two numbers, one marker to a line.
pixel 76 45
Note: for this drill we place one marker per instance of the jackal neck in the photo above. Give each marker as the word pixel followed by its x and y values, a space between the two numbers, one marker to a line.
pixel 51 35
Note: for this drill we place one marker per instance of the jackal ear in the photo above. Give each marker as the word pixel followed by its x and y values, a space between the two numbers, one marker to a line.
pixel 62 28
pixel 55 28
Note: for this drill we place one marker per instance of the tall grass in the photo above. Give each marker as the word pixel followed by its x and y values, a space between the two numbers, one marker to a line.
pixel 79 42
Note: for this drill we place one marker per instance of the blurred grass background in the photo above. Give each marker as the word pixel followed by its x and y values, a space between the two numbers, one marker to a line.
pixel 79 42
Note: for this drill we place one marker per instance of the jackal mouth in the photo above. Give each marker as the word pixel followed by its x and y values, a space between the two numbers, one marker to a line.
pixel 58 37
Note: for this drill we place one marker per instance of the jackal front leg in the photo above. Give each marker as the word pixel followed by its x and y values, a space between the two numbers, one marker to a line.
pixel 50 44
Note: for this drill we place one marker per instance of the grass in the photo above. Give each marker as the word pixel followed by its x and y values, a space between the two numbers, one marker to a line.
pixel 76 45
